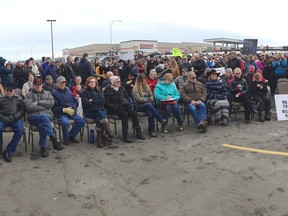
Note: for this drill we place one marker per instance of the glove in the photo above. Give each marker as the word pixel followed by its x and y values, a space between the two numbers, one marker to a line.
pixel 69 110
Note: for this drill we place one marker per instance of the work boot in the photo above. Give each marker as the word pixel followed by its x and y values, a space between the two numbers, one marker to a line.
pixel 99 139
pixel 139 133
pixel 267 114
pixel 56 144
pixel 260 113
pixel 44 152
pixel 105 126
pixel 126 136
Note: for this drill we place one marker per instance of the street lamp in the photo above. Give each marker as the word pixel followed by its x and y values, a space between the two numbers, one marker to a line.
pixel 51 21
pixel 111 34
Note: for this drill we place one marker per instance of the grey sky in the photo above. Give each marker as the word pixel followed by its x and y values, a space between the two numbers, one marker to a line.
pixel 25 32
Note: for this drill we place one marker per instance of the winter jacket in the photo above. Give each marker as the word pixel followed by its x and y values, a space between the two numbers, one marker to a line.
pixel 216 90
pixel 85 69
pixel 279 67
pixel 116 99
pixel 63 99
pixel 45 102
pixel 97 102
pixel 193 91
pixel 162 90
pixel 256 91
pixel 11 109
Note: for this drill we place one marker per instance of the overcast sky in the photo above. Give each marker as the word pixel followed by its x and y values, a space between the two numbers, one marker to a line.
pixel 25 31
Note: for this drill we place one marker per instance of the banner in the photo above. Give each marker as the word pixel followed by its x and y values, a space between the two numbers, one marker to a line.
pixel 220 70
pixel 250 46
pixel 281 102
pixel 176 52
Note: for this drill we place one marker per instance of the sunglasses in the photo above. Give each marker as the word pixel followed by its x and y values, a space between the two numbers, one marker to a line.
pixel 193 77
pixel 10 90
pixel 118 81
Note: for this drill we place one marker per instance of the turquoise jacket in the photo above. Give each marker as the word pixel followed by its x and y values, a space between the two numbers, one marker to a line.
pixel 162 90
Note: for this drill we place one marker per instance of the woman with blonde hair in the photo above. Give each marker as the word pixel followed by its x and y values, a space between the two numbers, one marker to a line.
pixel 144 102
pixel 175 68
pixel 167 96
pixel 93 108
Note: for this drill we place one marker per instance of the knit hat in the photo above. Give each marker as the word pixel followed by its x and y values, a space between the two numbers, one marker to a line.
pixel 113 79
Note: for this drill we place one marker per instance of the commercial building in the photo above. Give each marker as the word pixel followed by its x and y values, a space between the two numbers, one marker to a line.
pixel 135 47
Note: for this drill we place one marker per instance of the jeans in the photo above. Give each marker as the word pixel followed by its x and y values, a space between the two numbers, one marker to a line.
pixel 18 129
pixel 64 122
pixel 152 113
pixel 198 112
pixel 44 126
pixel 97 116
pixel 172 108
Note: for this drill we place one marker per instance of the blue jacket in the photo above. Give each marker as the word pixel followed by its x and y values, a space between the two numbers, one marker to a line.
pixel 63 99
pixel 162 90
pixel 280 68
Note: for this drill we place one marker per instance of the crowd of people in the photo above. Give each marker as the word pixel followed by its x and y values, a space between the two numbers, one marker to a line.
pixel 79 89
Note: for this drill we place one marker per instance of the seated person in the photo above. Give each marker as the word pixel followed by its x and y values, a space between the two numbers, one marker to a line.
pixel 77 87
pixel 167 96
pixel 144 102
pixel 38 104
pixel 193 94
pixel 11 113
pixel 258 90
pixel 239 93
pixel 180 80
pixel 117 103
pixel 93 108
pixel 65 109
pixel 49 85
pixel 217 98
pixel 152 80
pixel 28 86
pixel 107 81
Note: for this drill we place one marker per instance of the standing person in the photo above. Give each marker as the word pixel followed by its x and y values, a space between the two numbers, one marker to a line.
pixel 239 93
pixel 151 64
pixel 65 109
pixel 144 102
pixel 279 65
pixel 38 104
pixel 198 65
pixel 117 103
pixel 217 98
pixel 11 112
pixel 93 107
pixel 193 93
pixel 259 90
pixel 85 68
pixel 167 96
pixel 233 62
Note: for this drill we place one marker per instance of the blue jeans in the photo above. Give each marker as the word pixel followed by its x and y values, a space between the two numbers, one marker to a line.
pixel 44 126
pixel 198 112
pixel 97 116
pixel 152 113
pixel 172 108
pixel 64 122
pixel 18 129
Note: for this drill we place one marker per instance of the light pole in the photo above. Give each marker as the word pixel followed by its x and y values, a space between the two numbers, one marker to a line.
pixel 111 34
pixel 51 21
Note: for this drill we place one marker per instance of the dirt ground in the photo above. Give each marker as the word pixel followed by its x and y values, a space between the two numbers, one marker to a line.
pixel 177 174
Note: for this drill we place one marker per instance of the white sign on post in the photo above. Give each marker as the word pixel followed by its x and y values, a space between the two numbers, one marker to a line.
pixel 281 102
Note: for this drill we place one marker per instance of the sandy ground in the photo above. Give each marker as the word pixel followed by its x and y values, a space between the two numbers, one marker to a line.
pixel 177 174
